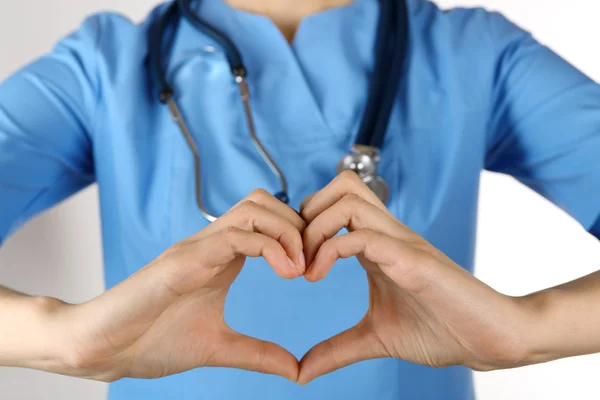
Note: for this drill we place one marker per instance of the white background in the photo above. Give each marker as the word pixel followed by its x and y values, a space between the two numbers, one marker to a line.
pixel 525 243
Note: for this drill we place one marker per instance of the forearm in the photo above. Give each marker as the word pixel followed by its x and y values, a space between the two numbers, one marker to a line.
pixel 565 320
pixel 28 333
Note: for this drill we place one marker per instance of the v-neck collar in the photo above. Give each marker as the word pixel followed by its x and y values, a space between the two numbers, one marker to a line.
pixel 287 74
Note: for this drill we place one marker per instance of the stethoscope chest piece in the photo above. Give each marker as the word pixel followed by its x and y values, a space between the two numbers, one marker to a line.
pixel 363 161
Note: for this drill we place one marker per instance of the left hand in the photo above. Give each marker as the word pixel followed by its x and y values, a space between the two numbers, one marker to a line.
pixel 424 308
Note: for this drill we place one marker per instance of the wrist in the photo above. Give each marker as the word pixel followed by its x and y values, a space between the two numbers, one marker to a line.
pixel 40 341
pixel 538 330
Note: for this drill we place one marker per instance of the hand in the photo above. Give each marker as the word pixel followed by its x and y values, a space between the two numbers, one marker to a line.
pixel 168 317
pixel 424 308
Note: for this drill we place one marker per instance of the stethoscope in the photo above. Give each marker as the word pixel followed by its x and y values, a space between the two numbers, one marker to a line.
pixel 363 159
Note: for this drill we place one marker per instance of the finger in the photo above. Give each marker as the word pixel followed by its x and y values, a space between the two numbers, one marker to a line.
pixel 307 200
pixel 354 213
pixel 264 199
pixel 345 183
pixel 244 352
pixel 196 263
pixel 356 344
pixel 271 203
pixel 234 242
pixel 254 217
pixel 251 216
pixel 186 269
pixel 390 254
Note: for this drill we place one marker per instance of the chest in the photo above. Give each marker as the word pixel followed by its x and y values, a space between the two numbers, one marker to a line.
pixel 145 167
pixel 307 116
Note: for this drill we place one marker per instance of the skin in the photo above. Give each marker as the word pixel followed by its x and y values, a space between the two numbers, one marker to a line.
pixel 167 317
pixel 424 308
pixel 284 14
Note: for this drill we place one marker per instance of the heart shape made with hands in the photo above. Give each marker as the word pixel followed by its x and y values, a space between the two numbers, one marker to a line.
pixel 423 307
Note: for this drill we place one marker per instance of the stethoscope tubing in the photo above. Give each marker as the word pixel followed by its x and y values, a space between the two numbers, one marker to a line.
pixel 392 37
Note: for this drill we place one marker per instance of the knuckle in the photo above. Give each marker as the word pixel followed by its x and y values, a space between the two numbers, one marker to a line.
pixel 270 243
pixel 259 194
pixel 313 236
pixel 302 225
pixel 246 206
pixel 351 178
pixel 229 230
pixel 247 210
pixel 289 231
pixel 305 217
pixel 352 199
pixel 348 175
pixel 328 247
pixel 413 271
pixel 226 239
pixel 228 233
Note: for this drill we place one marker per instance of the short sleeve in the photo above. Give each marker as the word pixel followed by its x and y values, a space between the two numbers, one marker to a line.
pixel 545 124
pixel 46 118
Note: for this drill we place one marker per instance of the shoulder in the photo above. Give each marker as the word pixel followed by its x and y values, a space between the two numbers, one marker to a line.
pixel 462 21
pixel 103 44
pixel 112 37
pixel 106 49
pixel 461 48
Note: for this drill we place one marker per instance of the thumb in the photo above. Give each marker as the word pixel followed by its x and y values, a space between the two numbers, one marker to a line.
pixel 251 354
pixel 356 344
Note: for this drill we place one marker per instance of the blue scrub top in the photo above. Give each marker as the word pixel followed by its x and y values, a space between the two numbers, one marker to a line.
pixel 479 93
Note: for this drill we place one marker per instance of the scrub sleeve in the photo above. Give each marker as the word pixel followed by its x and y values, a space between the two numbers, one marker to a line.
pixel 545 124
pixel 46 121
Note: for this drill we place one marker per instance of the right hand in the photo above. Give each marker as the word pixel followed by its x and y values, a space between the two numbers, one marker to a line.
pixel 168 317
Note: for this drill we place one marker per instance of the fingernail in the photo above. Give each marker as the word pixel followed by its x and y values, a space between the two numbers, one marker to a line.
pixel 292 264
pixel 302 382
pixel 302 260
